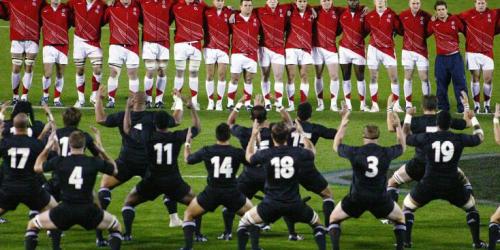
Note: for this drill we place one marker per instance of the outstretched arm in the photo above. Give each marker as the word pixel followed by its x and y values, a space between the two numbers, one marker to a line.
pixel 187 145
pixel 407 122
pixel 127 121
pixel 400 135
pixel 250 151
pixel 390 104
pixel 465 102
pixel 100 115
pixel 342 128
pixel 42 157
pixel 307 143
pixel 231 120
pixel 102 152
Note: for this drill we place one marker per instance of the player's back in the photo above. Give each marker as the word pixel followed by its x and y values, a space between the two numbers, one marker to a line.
pixel 222 163
pixel 78 175
pixel 34 130
pixel 313 132
pixel 370 164
pixel 63 139
pixel 19 153
pixel 265 141
pixel 282 165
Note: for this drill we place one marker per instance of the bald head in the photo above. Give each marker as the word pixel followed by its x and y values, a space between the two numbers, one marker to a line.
pixel 21 121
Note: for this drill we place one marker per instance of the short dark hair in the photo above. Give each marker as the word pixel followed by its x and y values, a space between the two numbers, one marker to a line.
pixel 443 120
pixel 371 132
pixel 23 107
pixel 439 3
pixel 280 132
pixel 429 102
pixel 222 132
pixel 304 111
pixel 77 139
pixel 71 117
pixel 259 113
pixel 161 119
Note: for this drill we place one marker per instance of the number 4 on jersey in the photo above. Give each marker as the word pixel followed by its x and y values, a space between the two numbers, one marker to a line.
pixel 224 168
pixel 75 178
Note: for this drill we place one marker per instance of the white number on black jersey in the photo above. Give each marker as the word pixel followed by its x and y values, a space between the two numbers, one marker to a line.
pixel 13 152
pixel 372 167
pixel 64 144
pixel 160 148
pixel 75 178
pixel 445 149
pixel 262 145
pixel 283 167
pixel 223 167
pixel 298 139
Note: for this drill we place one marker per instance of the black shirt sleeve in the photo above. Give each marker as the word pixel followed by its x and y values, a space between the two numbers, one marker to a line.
pixel 104 166
pixel 470 140
pixel 3 148
pixel 114 120
pixel 197 157
pixel 51 165
pixel 90 145
pixel 395 151
pixel 458 124
pixel 416 140
pixel 346 151
pixel 180 135
pixel 259 157
pixel 239 131
pixel 324 132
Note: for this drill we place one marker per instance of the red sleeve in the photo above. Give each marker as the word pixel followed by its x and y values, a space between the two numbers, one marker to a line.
pixel 366 26
pixel 460 25
pixel 107 15
pixel 430 29
pixel 71 17
pixel 398 25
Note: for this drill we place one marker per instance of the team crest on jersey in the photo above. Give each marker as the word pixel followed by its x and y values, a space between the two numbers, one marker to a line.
pixel 453 25
pixel 33 3
pixel 134 11
pixel 489 18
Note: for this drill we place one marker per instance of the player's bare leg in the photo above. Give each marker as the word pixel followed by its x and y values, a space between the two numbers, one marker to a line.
pixel 487 90
pixel 494 229
pixel 151 68
pixel 194 67
pixel 194 210
pixel 161 83
pixel 108 182
pixel 209 85
pixel 304 82
pixel 399 178
pixel 132 200
pixel 333 71
pixel 398 218
pixel 374 90
pixel 110 222
pixel 424 80
pixel 338 215
pixel 133 80
pixel 232 89
pixel 247 226
pixel 17 64
pixel 278 71
pixel 221 84
pixel 58 88
pixel 46 82
pixel 265 85
pixel 42 221
pixel 80 82
pixel 476 89
pixel 290 87
pixel 346 84
pixel 114 75
pixel 359 70
pixel 248 89
pixel 318 86
pixel 29 62
pixel 96 63
pixel 392 72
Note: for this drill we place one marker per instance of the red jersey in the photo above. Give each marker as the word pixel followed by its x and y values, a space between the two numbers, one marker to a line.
pixel 156 21
pixel 353 27
pixel 124 25
pixel 88 21
pixel 415 31
pixel 245 36
pixel 25 19
pixel 55 26
pixel 446 34
pixel 480 30
pixel 189 22
pixel 217 28
pixel 382 28
pixel 273 27
pixel 299 33
pixel 327 27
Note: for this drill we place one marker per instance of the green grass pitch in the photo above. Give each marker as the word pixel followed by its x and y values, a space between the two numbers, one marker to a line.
pixel 438 225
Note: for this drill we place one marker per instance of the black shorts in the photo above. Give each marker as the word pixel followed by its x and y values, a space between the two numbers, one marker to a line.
pixel 313 181
pixel 270 211
pixel 52 186
pixel 35 200
pixel 174 188
pixel 65 215
pixel 230 198
pixel 456 194
pixel 380 208
pixel 249 185
pixel 128 170
pixel 415 168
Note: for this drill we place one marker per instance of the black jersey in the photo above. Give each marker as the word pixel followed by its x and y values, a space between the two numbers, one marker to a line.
pixel 313 132
pixel 34 129
pixel 222 163
pixel 370 163
pixel 77 174
pixel 132 151
pixel 427 124
pixel 265 141
pixel 442 151
pixel 282 165
pixel 63 139
pixel 19 153
pixel 163 149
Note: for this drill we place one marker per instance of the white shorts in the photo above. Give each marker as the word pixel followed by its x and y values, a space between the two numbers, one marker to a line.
pixel 185 51
pixel 213 56
pixel 322 56
pixel 83 50
pixel 53 55
pixel 477 61
pixel 410 58
pixel 374 57
pixel 268 57
pixel 154 51
pixel 347 56
pixel 21 47
pixel 240 62
pixel 120 55
pixel 298 57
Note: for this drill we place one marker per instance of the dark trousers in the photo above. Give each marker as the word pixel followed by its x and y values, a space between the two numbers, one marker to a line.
pixel 447 68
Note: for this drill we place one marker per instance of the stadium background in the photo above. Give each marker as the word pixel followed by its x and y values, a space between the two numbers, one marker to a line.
pixel 438 225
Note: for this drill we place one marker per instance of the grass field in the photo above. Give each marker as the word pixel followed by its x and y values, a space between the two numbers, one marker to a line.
pixel 438 225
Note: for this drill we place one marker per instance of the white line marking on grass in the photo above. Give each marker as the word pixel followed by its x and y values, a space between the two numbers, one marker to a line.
pixel 184 176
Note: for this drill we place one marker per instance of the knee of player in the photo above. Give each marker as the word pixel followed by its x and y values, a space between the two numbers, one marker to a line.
pixel 210 77
pixel 495 218
pixel 488 79
pixel 409 204
pixel 392 182
pixel 334 77
pixel 222 76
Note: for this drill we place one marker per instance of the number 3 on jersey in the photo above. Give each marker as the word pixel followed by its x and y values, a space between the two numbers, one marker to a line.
pixel 160 148
pixel 224 168
pixel 372 167
pixel 283 167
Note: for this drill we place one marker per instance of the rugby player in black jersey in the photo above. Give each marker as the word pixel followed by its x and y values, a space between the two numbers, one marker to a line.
pixel 494 228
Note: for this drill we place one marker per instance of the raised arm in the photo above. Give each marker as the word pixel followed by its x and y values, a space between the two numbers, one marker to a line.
pixel 100 115
pixel 127 121
pixel 187 145
pixel 307 143
pixel 389 120
pixel 195 119
pixel 400 135
pixel 407 122
pixel 42 157
pixel 102 152
pixel 476 128
pixel 250 151
pixel 342 128
pixel 496 124
pixel 178 110
pixel 231 120
pixel 465 102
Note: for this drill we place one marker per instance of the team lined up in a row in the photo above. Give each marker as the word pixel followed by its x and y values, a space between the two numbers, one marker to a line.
pixel 275 35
